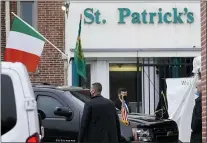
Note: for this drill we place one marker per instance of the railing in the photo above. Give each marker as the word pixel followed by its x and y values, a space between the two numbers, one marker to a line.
pixel 151 78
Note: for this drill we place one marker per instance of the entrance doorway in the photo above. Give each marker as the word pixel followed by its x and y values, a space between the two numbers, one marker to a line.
pixel 125 75
pixel 145 85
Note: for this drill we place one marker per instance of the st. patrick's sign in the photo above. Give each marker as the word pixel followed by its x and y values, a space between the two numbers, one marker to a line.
pixel 126 15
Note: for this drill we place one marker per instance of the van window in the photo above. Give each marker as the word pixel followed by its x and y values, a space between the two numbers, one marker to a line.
pixel 8 105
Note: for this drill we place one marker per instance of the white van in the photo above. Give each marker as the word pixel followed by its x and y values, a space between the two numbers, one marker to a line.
pixel 19 116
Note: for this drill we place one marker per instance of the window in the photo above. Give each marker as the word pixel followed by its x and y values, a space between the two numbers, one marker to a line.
pixel 83 95
pixel 8 105
pixel 48 104
pixel 27 10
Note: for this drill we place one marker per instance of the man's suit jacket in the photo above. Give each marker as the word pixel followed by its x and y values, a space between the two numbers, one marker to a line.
pixel 100 122
pixel 196 123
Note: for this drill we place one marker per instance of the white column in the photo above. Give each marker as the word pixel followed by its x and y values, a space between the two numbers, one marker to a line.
pixel 150 96
pixel 68 66
pixel 100 73
pixel 7 18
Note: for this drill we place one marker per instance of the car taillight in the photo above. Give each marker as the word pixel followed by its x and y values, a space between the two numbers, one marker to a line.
pixel 33 139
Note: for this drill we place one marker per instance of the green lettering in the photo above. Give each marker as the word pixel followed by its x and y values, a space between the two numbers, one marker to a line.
pixel 123 13
pixel 160 16
pixel 97 17
pixel 136 18
pixel 152 15
pixel 190 18
pixel 165 18
pixel 177 16
pixel 144 17
pixel 88 13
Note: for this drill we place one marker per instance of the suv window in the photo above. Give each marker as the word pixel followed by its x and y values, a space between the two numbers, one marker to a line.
pixel 8 105
pixel 83 95
pixel 48 104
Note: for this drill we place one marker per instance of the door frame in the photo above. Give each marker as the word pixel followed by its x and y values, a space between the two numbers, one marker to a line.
pixel 125 61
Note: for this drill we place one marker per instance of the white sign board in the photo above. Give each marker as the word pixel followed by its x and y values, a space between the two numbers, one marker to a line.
pixel 134 25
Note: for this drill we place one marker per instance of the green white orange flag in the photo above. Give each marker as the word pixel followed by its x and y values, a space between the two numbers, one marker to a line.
pixel 24 45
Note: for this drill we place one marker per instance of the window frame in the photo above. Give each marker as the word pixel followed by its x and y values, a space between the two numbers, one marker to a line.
pixel 34 12
pixel 78 94
pixel 34 24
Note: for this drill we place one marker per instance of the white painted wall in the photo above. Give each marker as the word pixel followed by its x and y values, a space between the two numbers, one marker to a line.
pixel 100 73
pixel 131 36
pixel 114 35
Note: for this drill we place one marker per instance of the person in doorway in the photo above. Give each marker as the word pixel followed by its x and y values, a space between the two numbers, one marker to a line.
pixel 100 122
pixel 122 94
pixel 196 123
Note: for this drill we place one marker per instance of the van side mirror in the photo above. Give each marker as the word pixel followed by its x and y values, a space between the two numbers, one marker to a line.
pixel 65 112
pixel 42 114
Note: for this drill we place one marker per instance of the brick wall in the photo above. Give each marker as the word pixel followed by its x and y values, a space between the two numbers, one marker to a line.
pixel 52 25
pixel 203 64
pixel 13 8
pixel 3 28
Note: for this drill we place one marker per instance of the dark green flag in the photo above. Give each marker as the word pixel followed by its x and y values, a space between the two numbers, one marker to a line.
pixel 79 56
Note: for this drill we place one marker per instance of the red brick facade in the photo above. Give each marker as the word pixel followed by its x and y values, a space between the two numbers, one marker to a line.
pixel 203 68
pixel 3 28
pixel 51 24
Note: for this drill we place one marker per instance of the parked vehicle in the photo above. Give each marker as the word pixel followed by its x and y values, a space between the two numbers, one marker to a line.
pixel 63 108
pixel 19 116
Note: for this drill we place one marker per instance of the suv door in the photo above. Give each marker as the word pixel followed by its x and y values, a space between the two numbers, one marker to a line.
pixel 14 119
pixel 57 129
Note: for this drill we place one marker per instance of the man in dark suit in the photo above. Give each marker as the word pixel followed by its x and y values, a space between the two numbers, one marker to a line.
pixel 100 122
pixel 196 123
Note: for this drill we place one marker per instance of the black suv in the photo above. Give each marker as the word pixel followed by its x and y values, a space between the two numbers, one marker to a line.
pixel 62 109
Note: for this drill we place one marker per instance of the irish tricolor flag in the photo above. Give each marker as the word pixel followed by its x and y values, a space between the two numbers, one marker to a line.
pixel 24 45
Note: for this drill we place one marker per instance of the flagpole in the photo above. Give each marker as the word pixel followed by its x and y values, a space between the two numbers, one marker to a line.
pixel 41 35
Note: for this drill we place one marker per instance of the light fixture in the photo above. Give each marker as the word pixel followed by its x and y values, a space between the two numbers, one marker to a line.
pixel 119 65
pixel 65 8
